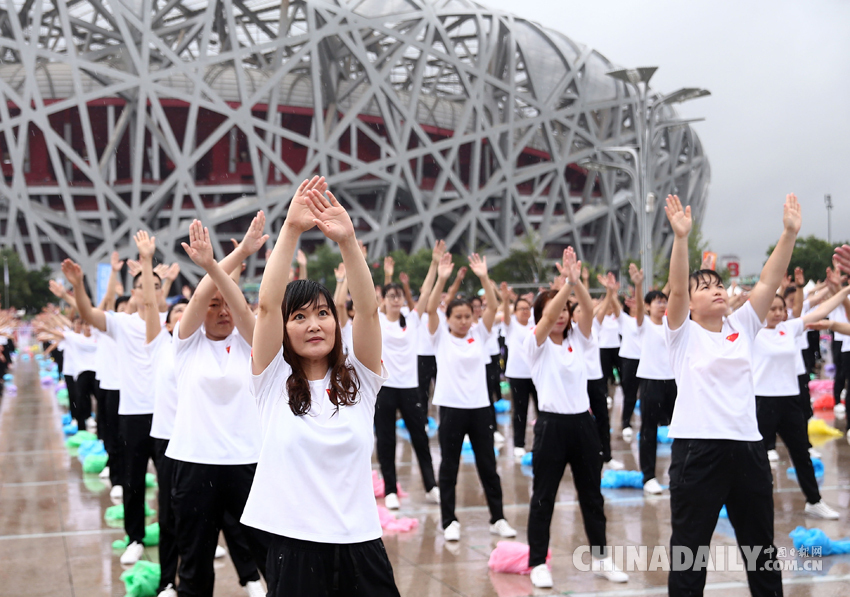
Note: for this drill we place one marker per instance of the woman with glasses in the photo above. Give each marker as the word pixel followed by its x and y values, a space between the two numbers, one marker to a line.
pixel 517 370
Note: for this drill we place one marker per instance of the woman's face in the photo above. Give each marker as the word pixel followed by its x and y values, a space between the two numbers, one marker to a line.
pixel 564 319
pixel 176 315
pixel 777 313
pixel 393 301
pixel 709 299
pixel 311 330
pixel 477 309
pixel 460 320
pixel 658 308
pixel 522 312
pixel 218 322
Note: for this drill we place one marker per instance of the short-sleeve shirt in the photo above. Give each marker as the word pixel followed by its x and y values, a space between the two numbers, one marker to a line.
pixel 655 361
pixel 135 362
pixel 775 355
pixel 400 344
pixel 164 385
pixel 630 343
pixel 461 367
pixel 559 373
pixel 517 366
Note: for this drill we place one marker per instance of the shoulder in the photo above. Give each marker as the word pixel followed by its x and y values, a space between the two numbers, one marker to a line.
pixel 369 380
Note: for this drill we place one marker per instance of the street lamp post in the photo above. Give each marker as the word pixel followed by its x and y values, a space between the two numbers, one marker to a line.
pixel 827 199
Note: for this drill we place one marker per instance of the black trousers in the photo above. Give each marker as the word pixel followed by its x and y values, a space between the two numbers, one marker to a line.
pixel 610 358
pixel 705 474
pixel 630 385
pixel 405 400
pixel 521 390
pixel 805 398
pixel 85 389
pixel 299 568
pixel 560 440
pixel 138 449
pixel 658 397
pixel 201 494
pixel 476 423
pixel 494 372
pixel 597 391
pixel 811 354
pixel 427 365
pixel 73 401
pixel 782 414
pixel 109 430
pixel 167 521
pixel 840 370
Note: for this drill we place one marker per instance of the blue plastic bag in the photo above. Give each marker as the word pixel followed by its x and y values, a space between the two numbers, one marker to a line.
pixel 817 463
pixel 91 447
pixel 619 479
pixel 502 406
pixel 66 419
pixel 814 538
pixel 723 512
pixel 527 459
pixel 70 428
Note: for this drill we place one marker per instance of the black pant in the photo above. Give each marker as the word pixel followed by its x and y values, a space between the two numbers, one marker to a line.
pixel 85 388
pixel 560 440
pixel 610 358
pixel 406 400
pixel 454 424
pixel 201 495
pixel 167 521
pixel 138 448
pixel 629 383
pixel 705 474
pixel 521 389
pixel 658 397
pixel 597 391
pixel 109 430
pixel 840 370
pixel 494 372
pixel 811 354
pixel 782 414
pixel 71 385
pixel 427 365
pixel 299 568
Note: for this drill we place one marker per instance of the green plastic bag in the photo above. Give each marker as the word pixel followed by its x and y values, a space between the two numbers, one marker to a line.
pixel 150 480
pixel 95 463
pixel 63 393
pixel 151 538
pixel 64 401
pixel 117 512
pixel 505 387
pixel 78 438
pixel 142 580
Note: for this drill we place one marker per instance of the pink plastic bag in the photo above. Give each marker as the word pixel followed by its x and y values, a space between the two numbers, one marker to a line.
pixel 820 387
pixel 378 486
pixel 511 557
pixel 391 523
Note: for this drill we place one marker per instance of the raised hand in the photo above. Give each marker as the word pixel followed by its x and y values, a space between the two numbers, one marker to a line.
pixel 339 272
pixel 842 258
pixel 461 273
pixel 785 283
pixel 404 279
pixel 254 239
pixel 478 265
pixel 636 275
pixel 116 263
pixel 444 270
pixel 301 258
pixel 199 249
pixel 330 217
pixel 57 289
pixel 503 290
pixel 160 270
pixel 439 249
pixel 134 267
pixel 799 277
pixel 585 277
pixel 792 218
pixel 299 215
pixel 571 266
pixel 173 271
pixel 72 272
pixel 680 219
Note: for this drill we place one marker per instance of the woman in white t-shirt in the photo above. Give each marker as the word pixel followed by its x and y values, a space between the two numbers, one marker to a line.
pixel 461 393
pixel 776 360
pixel 565 432
pixel 517 369
pixel 400 337
pixel 629 360
pixel 313 487
pixel 718 456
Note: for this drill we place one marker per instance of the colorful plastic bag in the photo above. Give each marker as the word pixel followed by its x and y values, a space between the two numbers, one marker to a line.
pixel 816 538
pixel 819 427
pixel 622 479
pixel 76 440
pixel 817 463
pixel 378 486
pixel 511 557
pixel 95 463
pixel 142 580
pixel 502 406
pixel 391 523
pixel 151 538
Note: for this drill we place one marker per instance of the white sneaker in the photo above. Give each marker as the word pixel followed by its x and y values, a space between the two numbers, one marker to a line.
pixel 615 465
pixel 773 455
pixel 452 532
pixel 519 452
pixel 91 425
pixel 117 493
pixel 610 402
pixel 843 395
pixel 255 588
pixel 433 496
pixel 653 487
pixel 168 591
pixel 502 529
pixel 220 552
pixel 541 577
pixel 840 410
pixel 814 453
pixel 606 568
pixel 821 510
pixel 498 438
pixel 104 474
pixel 133 553
pixel 627 434
pixel 391 501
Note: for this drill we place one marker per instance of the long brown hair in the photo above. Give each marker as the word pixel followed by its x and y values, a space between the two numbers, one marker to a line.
pixel 540 304
pixel 345 384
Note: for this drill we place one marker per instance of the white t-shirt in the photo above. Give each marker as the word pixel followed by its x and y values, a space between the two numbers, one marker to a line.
pixel 461 367
pixel 314 477
pixel 592 359
pixel 559 373
pixel 424 346
pixel 609 332
pixel 106 363
pixel 135 363
pixel 164 385
pixel 655 363
pixel 493 347
pixel 399 350
pixel 775 356
pixel 713 370
pixel 346 334
pixel 217 421
pixel 839 314
pixel 517 366
pixel 82 350
pixel 630 343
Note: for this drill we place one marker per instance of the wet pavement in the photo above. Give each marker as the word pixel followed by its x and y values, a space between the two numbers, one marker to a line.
pixel 54 540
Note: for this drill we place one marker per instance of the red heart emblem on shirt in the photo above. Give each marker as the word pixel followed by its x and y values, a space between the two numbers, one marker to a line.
pixel 781 333
pixel 732 337
pixel 470 341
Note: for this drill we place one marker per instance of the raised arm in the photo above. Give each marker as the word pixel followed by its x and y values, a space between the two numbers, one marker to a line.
pixel 444 270
pixel 827 307
pixel 430 277
pixel 341 294
pixel 74 274
pixel 506 305
pixel 478 265
pixel 146 245
pixel 637 279
pixel 774 270
pixel 268 331
pixel 800 281
pixel 455 287
pixel 61 292
pixel 572 269
pixel 115 265
pixel 389 269
pixel 678 303
pixel 405 286
pixel 614 285
pixel 301 259
pixel 332 219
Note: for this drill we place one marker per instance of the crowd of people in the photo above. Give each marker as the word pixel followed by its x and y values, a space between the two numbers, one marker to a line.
pixel 261 420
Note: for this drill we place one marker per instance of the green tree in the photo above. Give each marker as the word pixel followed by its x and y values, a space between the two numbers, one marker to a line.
pixel 28 290
pixel 522 266
pixel 812 254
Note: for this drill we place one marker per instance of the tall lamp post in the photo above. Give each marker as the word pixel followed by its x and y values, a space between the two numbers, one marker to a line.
pixel 645 129
pixel 827 199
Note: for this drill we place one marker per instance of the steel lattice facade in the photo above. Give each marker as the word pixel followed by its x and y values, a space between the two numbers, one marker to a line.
pixel 430 119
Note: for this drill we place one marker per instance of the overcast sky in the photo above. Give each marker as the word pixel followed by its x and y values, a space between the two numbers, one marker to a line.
pixel 777 120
